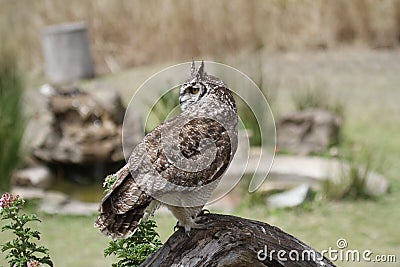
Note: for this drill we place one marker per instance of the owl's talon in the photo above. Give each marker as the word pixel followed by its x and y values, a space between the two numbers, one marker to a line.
pixel 203 212
pixel 195 226
pixel 178 226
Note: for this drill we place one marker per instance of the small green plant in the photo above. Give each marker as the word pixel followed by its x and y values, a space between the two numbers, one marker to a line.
pixel 109 181
pixel 308 98
pixel 22 251
pixel 132 251
pixel 353 181
pixel 313 97
pixel 12 122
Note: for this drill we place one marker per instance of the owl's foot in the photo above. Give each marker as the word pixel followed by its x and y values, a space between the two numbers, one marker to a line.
pixel 188 227
pixel 197 224
pixel 201 219
pixel 194 225
pixel 200 222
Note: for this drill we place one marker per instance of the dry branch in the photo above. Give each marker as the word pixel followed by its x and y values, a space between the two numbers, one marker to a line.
pixel 234 241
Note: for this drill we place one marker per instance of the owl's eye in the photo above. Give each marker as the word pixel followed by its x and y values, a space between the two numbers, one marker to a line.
pixel 194 90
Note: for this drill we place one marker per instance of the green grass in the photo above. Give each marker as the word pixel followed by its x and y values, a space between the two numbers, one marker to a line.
pixel 71 240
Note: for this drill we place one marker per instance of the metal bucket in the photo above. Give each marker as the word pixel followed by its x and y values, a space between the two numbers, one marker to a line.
pixel 66 52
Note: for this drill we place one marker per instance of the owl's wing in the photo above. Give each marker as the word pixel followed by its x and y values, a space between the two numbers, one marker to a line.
pixel 125 203
pixel 123 207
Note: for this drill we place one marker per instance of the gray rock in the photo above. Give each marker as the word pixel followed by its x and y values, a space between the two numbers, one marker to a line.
pixel 109 99
pixel 80 126
pixel 39 177
pixel 75 207
pixel 291 198
pixel 58 203
pixel 28 192
pixel 307 132
pixel 53 201
pixel 294 170
pixel 290 171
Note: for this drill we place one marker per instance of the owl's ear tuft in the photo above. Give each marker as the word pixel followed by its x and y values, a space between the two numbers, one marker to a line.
pixel 192 68
pixel 200 71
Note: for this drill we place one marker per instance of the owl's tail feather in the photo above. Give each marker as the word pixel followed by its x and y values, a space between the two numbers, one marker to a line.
pixel 121 225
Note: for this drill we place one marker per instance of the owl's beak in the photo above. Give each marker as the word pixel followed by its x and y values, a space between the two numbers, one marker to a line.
pixel 183 98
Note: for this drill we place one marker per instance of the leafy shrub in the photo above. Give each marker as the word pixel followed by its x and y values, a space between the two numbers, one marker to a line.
pixel 22 251
pixel 135 249
pixel 132 251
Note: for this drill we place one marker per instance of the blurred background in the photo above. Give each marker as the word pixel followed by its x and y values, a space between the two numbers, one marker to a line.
pixel 131 33
pixel 329 69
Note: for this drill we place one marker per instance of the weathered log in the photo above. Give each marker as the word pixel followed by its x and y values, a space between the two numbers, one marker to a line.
pixel 234 241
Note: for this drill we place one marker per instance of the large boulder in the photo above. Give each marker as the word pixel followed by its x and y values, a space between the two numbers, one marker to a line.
pixel 80 126
pixel 308 132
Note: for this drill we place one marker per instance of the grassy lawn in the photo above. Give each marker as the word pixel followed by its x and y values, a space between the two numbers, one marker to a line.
pixel 368 83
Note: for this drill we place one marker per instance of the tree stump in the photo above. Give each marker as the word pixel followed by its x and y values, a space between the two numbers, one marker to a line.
pixel 234 241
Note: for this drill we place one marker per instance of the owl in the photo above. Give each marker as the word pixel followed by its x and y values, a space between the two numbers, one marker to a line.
pixel 179 163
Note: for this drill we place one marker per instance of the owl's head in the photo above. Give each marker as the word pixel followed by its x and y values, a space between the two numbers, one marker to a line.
pixel 198 86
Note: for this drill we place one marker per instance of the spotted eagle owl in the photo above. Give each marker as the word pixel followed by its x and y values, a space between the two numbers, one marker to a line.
pixel 179 163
